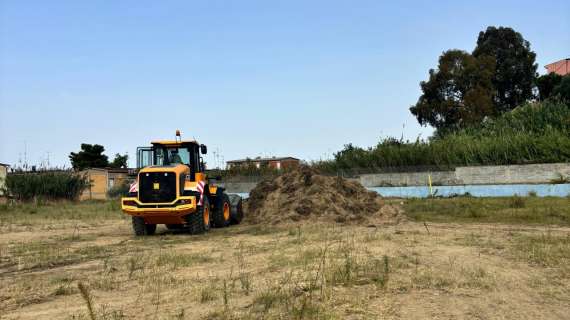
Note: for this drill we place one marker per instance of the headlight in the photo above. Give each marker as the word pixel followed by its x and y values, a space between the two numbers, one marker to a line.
pixel 184 201
pixel 129 203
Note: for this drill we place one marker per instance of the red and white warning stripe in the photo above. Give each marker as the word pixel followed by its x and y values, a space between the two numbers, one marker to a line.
pixel 200 188
pixel 134 187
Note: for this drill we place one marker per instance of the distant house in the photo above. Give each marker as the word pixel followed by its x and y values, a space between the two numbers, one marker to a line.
pixel 3 174
pixel 561 67
pixel 101 180
pixel 273 162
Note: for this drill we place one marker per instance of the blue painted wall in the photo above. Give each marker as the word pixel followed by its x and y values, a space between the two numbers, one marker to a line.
pixel 501 190
pixel 541 190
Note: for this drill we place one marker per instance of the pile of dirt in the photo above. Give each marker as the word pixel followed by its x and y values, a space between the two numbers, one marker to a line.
pixel 304 194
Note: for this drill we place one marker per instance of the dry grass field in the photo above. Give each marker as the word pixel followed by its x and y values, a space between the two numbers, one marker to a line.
pixel 452 259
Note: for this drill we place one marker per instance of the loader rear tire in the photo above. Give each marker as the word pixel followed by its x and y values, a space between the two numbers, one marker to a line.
pixel 199 221
pixel 221 213
pixel 236 209
pixel 142 229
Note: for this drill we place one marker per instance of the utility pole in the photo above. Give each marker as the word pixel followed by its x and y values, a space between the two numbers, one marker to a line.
pixel 25 154
pixel 214 154
pixel 218 157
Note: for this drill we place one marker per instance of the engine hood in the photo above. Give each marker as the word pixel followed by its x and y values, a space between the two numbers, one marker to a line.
pixel 178 168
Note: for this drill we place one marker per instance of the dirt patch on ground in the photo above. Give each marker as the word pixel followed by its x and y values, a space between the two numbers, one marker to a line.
pixel 298 270
pixel 304 194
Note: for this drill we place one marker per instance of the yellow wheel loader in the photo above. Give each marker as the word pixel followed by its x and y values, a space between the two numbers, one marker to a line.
pixel 172 189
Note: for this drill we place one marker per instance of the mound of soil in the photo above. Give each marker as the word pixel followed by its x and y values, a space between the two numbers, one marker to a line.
pixel 304 194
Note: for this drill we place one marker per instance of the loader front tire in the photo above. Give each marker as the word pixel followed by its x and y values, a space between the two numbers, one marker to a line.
pixel 221 213
pixel 200 221
pixel 142 229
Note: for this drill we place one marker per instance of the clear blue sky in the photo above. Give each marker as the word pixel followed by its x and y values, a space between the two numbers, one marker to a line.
pixel 249 78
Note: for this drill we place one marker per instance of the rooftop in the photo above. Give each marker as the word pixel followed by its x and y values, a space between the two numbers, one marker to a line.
pixel 555 62
pixel 109 169
pixel 258 159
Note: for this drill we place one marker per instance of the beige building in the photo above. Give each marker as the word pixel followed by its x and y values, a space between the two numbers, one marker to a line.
pixel 3 174
pixel 101 181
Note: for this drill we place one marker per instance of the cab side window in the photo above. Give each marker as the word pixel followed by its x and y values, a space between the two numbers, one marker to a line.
pixel 194 161
pixel 159 157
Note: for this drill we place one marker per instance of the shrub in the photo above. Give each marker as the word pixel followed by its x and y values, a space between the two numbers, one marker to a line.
pixel 517 202
pixel 562 91
pixel 532 194
pixel 119 190
pixel 45 185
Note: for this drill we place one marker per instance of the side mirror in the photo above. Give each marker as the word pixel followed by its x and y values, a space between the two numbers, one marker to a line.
pixel 203 149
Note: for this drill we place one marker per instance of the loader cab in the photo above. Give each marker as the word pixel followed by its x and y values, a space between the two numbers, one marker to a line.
pixel 172 153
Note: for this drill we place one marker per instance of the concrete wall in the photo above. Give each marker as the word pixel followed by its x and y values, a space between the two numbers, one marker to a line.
pixel 398 179
pixel 513 174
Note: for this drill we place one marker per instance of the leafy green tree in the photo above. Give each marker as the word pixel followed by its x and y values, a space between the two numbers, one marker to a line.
pixel 562 90
pixel 120 161
pixel 90 156
pixel 457 94
pixel 546 84
pixel 515 68
pixel 351 157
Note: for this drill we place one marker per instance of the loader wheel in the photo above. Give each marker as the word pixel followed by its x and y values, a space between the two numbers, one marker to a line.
pixel 142 229
pixel 221 212
pixel 174 226
pixel 199 221
pixel 236 214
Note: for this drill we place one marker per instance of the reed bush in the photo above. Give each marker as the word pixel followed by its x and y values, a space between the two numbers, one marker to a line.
pixel 45 185
pixel 532 133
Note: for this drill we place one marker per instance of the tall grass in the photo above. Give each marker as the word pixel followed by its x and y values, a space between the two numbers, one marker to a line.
pixel 533 133
pixel 45 185
pixel 509 210
pixel 88 299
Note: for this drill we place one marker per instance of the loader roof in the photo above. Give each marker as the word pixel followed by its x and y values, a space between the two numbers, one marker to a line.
pixel 174 142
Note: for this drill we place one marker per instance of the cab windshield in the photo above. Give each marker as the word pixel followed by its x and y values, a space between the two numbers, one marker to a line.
pixel 171 156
